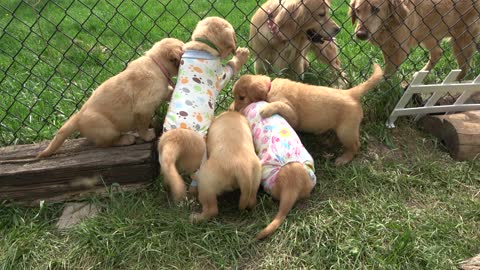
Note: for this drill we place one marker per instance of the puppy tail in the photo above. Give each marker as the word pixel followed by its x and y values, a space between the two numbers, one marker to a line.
pixel 173 146
pixel 358 91
pixel 168 156
pixel 66 130
pixel 288 199
pixel 292 178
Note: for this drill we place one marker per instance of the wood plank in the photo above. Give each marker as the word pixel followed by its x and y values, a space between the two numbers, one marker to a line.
pixel 78 167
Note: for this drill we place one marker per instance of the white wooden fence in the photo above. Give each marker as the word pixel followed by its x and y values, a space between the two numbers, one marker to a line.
pixel 449 85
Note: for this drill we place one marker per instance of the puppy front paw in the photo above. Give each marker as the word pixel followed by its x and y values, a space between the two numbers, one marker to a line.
pixel 266 112
pixel 242 55
pixel 148 135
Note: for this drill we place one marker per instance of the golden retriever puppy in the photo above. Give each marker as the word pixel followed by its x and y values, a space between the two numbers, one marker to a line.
pixel 396 26
pixel 231 164
pixel 283 31
pixel 288 171
pixel 310 108
pixel 127 101
pixel 201 77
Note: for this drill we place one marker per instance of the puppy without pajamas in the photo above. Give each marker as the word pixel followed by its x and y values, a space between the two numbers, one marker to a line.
pixel 231 164
pixel 397 26
pixel 288 171
pixel 127 101
pixel 310 108
pixel 283 31
pixel 201 78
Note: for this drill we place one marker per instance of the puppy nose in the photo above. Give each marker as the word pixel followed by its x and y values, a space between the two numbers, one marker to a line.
pixel 336 30
pixel 362 34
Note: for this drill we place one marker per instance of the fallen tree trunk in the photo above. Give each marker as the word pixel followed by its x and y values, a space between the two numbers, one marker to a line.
pixel 459 132
pixel 77 168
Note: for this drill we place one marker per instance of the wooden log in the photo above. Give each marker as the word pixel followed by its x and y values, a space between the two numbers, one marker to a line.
pixel 460 133
pixel 471 264
pixel 77 168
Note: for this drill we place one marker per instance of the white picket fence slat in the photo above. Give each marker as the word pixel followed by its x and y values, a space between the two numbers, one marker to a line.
pixel 437 91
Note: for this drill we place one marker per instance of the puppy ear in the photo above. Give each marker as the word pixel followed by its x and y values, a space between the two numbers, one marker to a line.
pixel 262 87
pixel 174 56
pixel 398 9
pixel 351 12
pixel 229 45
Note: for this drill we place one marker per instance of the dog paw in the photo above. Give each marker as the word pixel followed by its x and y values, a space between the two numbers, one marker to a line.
pixel 196 218
pixel 242 54
pixel 125 139
pixel 148 135
pixel 266 112
pixel 342 160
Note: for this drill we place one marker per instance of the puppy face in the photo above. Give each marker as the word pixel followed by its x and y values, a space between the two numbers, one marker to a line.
pixel 169 51
pixel 249 89
pixel 373 14
pixel 218 31
pixel 298 16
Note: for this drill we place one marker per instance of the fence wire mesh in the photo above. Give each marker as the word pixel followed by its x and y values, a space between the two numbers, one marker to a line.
pixel 53 54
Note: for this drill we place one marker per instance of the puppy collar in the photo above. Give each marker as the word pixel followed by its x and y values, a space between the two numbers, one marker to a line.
pixel 207 42
pixel 164 71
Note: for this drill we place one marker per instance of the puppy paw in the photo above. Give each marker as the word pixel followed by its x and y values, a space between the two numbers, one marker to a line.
pixel 242 55
pixel 266 112
pixel 148 135
pixel 125 139
pixel 196 218
pixel 343 159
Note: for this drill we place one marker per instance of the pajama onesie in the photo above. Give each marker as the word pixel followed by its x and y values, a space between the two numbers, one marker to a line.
pixel 201 77
pixel 276 144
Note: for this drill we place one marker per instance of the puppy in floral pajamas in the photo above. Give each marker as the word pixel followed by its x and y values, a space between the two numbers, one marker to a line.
pixel 288 172
pixel 200 79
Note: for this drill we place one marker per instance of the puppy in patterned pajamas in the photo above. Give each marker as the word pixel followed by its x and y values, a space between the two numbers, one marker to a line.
pixel 201 77
pixel 288 172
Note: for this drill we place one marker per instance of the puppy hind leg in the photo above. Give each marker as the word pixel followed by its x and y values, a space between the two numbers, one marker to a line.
pixel 209 179
pixel 209 207
pixel 349 136
pixel 248 180
pixel 100 130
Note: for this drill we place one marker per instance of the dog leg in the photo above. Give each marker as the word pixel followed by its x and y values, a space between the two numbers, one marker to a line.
pixel 328 54
pixel 393 60
pixel 249 181
pixel 463 53
pixel 281 108
pixel 142 121
pixel 208 182
pixel 435 53
pixel 259 66
pixel 100 130
pixel 240 58
pixel 209 207
pixel 349 136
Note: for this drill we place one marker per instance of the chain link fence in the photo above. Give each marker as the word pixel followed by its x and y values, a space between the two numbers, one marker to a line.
pixel 53 54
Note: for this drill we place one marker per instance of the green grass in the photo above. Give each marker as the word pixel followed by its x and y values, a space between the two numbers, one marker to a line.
pixel 403 203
